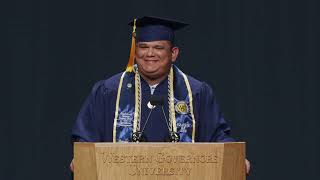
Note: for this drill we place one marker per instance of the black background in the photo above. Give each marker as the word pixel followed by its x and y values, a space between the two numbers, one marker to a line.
pixel 261 56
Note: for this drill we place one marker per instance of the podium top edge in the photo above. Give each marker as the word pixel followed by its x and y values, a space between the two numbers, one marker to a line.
pixel 156 143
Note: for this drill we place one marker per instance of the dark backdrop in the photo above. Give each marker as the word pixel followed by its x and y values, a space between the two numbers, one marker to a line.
pixel 262 57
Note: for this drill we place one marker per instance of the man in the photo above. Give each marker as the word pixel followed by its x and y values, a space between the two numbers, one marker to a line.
pixel 153 100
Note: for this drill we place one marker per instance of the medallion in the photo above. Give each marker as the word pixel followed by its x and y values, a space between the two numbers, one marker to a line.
pixel 182 107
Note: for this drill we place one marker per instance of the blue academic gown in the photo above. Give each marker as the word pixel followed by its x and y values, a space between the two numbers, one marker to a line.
pixel 95 119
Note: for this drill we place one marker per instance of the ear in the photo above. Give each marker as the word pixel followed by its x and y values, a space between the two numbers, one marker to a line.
pixel 174 53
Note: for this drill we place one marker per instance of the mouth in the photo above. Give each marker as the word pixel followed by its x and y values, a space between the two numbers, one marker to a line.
pixel 151 60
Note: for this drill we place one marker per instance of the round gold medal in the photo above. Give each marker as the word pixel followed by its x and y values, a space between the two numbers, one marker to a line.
pixel 182 107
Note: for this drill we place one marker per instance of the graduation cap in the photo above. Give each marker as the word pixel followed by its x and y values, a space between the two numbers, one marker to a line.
pixel 155 28
pixel 152 29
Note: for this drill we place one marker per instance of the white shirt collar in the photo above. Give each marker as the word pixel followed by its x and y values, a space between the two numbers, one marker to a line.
pixel 153 87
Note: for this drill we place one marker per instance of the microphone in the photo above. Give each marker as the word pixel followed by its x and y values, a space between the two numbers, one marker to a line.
pixel 172 137
pixel 139 136
pixel 159 100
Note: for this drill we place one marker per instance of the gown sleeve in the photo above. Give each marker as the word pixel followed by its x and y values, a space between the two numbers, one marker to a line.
pixel 89 123
pixel 212 125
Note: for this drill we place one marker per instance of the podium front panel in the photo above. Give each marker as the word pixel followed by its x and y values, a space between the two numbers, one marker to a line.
pixel 159 161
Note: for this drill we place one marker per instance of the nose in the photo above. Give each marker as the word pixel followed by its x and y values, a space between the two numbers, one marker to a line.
pixel 150 52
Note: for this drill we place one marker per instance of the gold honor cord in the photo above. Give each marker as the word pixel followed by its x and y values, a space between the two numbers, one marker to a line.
pixel 117 109
pixel 172 115
pixel 137 109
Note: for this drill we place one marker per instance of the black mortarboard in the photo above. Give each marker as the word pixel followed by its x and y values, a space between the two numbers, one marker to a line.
pixel 155 28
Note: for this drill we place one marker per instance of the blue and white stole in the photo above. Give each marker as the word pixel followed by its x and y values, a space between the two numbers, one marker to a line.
pixel 128 106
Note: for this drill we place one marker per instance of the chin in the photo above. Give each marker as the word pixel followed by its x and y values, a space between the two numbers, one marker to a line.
pixel 150 70
pixel 151 74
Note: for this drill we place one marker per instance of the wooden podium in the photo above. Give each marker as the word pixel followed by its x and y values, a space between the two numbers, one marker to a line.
pixel 160 161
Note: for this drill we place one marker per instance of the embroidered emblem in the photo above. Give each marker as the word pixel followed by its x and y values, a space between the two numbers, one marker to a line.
pixel 183 126
pixel 125 119
pixel 182 107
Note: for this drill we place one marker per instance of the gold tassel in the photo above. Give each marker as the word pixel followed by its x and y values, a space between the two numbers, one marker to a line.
pixel 133 49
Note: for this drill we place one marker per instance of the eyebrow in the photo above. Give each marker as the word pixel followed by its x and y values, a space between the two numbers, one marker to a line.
pixel 158 46
pixel 142 44
pixel 154 46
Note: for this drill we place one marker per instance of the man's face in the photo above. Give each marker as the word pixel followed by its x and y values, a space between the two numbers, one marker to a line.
pixel 154 58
